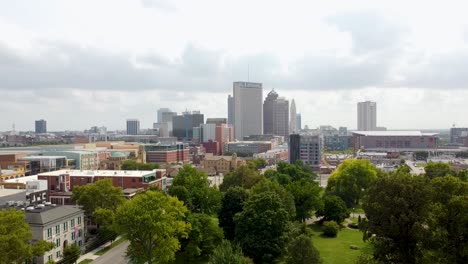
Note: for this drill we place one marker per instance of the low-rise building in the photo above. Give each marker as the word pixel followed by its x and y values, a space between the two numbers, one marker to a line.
pixel 394 140
pixel 221 164
pixel 174 153
pixel 248 147
pixel 273 156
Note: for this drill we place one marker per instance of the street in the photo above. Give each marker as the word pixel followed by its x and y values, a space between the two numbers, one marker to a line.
pixel 114 256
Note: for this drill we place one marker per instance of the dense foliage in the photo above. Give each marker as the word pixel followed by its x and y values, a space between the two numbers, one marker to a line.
pixel 233 202
pixel 133 165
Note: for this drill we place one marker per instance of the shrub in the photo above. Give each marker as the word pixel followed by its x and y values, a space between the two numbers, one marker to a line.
pixel 353 225
pixel 330 229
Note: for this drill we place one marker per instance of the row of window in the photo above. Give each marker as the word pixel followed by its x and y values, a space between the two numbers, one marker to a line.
pixel 65 227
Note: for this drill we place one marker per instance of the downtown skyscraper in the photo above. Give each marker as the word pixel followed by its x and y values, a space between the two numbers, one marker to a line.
pixel 248 109
pixel 367 116
pixel 276 115
pixel 292 118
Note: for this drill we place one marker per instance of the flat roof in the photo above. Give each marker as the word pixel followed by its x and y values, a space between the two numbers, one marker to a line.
pixel 99 173
pixel 41 157
pixel 393 133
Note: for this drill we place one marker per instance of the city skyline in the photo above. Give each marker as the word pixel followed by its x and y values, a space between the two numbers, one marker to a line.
pixel 57 62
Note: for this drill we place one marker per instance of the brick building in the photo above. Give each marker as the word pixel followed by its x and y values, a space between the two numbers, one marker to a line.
pixel 395 140
pixel 176 153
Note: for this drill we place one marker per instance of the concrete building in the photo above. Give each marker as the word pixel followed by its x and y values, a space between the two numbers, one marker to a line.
pixel 275 115
pixel 160 113
pixel 221 164
pixel 174 153
pixel 337 142
pixel 298 122
pixel 133 126
pixel 216 120
pixel 41 126
pixel 459 135
pixel 182 125
pixel 62 225
pixel 38 164
pixel 342 131
pixel 394 140
pixel 248 109
pixel 293 118
pixel 273 156
pixel 81 159
pixel 367 116
pixel 230 102
pixel 248 147
pixel 307 148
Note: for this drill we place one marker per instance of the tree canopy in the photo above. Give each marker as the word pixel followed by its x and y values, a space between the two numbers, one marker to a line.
pixel 192 187
pixel 243 176
pixel 437 169
pixel 302 251
pixel 225 253
pixel 153 224
pixel 334 209
pixel 260 227
pixel 306 197
pixel 287 199
pixel 71 254
pixel 232 203
pixel 133 165
pixel 351 179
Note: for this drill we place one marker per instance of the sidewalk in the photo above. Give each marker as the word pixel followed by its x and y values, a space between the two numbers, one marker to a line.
pixel 91 254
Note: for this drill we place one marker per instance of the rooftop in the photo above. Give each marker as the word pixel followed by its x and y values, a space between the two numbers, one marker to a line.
pixel 42 157
pixel 49 213
pixel 394 133
pixel 99 173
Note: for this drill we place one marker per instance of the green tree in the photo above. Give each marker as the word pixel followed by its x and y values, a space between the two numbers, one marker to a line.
pixel 274 175
pixel 71 254
pixel 330 228
pixel 296 171
pixel 100 194
pixel 447 241
pixel 257 164
pixel 306 197
pixel 351 179
pixel 192 187
pixel 15 237
pixel 286 197
pixel 153 223
pixel 225 253
pixel 334 209
pixel 232 203
pixel 243 176
pixel 204 236
pixel 302 251
pixel 396 209
pixel 437 169
pixel 260 227
pixel 133 165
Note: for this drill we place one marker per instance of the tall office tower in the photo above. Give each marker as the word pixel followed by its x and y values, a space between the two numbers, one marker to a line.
pixel 41 126
pixel 298 122
pixel 248 109
pixel 160 112
pixel 133 126
pixel 230 110
pixel 182 125
pixel 292 119
pixel 367 116
pixel 307 148
pixel 275 115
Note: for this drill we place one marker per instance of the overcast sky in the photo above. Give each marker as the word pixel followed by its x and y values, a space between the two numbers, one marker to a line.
pixel 83 63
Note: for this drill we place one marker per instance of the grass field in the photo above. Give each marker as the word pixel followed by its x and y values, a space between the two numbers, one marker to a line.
pixel 337 250
pixel 114 244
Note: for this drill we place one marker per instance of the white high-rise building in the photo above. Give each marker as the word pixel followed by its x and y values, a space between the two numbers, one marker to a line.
pixel 292 118
pixel 248 109
pixel 367 116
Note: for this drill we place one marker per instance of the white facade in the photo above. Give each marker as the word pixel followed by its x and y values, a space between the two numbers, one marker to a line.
pixel 292 118
pixel 367 116
pixel 248 109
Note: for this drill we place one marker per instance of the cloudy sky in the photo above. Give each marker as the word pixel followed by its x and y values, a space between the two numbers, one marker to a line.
pixel 95 62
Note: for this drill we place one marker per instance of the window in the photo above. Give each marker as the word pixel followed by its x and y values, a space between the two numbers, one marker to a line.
pixel 80 232
pixel 57 242
pixel 73 235
pixel 65 226
pixel 79 220
pixel 57 229
pixel 79 243
pixel 49 257
pixel 49 232
pixel 72 222
pixel 57 254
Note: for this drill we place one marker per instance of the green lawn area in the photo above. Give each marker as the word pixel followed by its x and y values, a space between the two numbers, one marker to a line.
pixel 114 244
pixel 86 261
pixel 336 250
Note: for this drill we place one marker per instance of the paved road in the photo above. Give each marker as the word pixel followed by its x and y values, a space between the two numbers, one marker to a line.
pixel 414 170
pixel 114 256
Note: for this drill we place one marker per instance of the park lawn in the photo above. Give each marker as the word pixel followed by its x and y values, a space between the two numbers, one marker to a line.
pixel 337 250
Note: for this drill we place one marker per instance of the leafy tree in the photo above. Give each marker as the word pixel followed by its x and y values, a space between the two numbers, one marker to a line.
pixel 396 207
pixel 296 171
pixel 286 198
pixel 225 253
pixel 192 187
pixel 257 164
pixel 302 251
pixel 152 222
pixel 100 194
pixel 274 175
pixel 334 209
pixel 204 236
pixel 437 169
pixel 71 254
pixel 232 204
pixel 330 228
pixel 260 227
pixel 448 240
pixel 133 165
pixel 306 197
pixel 15 237
pixel 243 176
pixel 351 179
